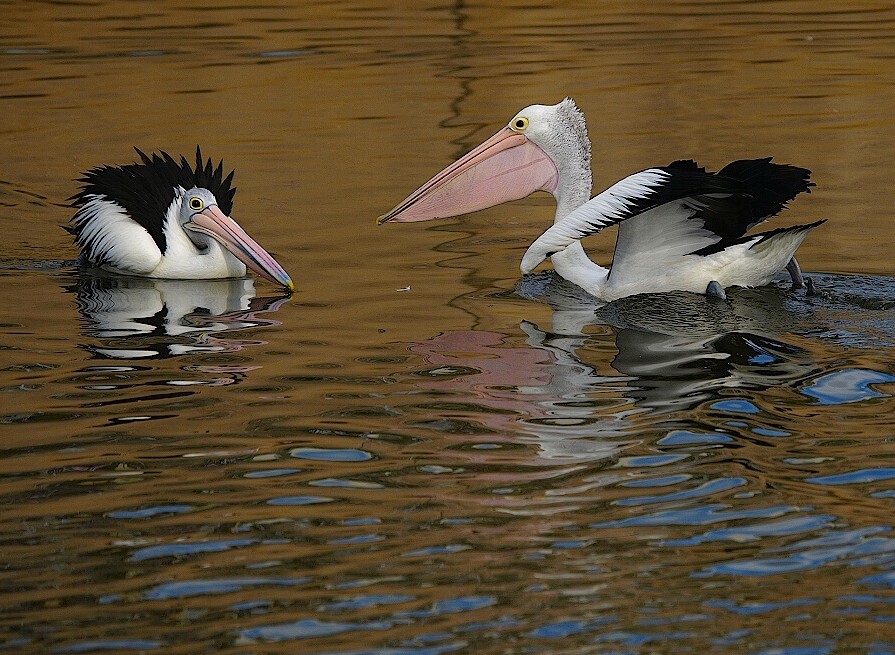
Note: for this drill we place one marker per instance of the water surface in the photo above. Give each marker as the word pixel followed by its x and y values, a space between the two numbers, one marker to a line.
pixel 419 452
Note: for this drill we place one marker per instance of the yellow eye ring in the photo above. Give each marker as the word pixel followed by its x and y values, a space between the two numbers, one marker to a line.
pixel 519 124
pixel 196 203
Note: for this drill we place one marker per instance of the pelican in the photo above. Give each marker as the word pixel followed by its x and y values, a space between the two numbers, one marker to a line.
pixel 161 218
pixel 681 228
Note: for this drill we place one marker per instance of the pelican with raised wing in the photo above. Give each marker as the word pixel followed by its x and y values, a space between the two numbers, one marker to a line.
pixel 162 218
pixel 681 228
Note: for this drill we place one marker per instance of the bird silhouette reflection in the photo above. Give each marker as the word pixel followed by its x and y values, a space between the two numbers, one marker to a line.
pixel 144 318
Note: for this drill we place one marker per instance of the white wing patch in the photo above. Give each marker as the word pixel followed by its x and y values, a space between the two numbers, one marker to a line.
pixel 619 202
pixel 658 238
pixel 109 237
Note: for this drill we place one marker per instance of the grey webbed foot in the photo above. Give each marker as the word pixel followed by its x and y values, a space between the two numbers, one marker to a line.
pixel 715 290
pixel 811 290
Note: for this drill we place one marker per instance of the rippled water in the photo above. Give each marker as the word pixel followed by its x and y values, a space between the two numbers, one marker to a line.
pixel 419 453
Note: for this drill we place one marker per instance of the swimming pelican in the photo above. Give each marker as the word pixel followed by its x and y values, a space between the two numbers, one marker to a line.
pixel 681 228
pixel 165 219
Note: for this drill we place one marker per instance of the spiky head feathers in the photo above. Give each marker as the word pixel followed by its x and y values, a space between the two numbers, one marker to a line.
pixel 146 190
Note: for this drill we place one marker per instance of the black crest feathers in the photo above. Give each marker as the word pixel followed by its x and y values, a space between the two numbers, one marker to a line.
pixel 146 190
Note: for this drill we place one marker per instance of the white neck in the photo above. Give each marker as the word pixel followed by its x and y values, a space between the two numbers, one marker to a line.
pixel 573 264
pixel 184 260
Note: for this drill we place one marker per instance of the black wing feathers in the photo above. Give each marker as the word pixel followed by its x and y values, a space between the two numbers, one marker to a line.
pixel 765 189
pixel 770 185
pixel 683 180
pixel 686 165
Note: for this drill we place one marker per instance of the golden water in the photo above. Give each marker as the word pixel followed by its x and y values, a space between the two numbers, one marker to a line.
pixel 407 456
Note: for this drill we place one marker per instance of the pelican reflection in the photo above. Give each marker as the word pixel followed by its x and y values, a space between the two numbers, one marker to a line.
pixel 581 396
pixel 682 349
pixel 144 318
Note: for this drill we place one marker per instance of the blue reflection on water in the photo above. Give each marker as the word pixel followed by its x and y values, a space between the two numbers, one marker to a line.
pixel 306 628
pixel 110 644
pixel 189 588
pixel 356 539
pixel 149 512
pixel 883 579
pixel 687 438
pixel 650 460
pixel 639 638
pixel 849 385
pixel 332 454
pixel 437 550
pixel 181 549
pixel 770 432
pixel 664 481
pixel 366 601
pixel 300 500
pixel 271 473
pixel 746 533
pixel 571 544
pixel 706 489
pixel 562 629
pixel 703 515
pixel 860 476
pixel 796 650
pixel 759 608
pixel 737 405
pixel 855 546
pixel 252 606
pixel 451 606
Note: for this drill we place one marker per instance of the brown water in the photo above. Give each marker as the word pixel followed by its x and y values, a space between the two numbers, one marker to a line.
pixel 409 456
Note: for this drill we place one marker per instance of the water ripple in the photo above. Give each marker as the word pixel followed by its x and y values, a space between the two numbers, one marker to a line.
pixel 861 476
pixel 703 515
pixel 706 489
pixel 861 550
pixel 756 531
pixel 849 385
pixel 409 456
pixel 332 454
pixel 190 588
pixel 183 549
pixel 307 628
pixel 110 644
pixel 150 512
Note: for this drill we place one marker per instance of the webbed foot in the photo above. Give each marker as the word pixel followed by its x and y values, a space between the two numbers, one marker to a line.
pixel 715 290
pixel 811 289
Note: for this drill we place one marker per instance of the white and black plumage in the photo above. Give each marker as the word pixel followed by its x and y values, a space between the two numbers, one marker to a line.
pixel 162 218
pixel 681 228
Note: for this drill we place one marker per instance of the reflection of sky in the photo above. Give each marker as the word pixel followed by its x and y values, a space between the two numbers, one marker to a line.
pixel 860 547
pixel 860 476
pixel 847 386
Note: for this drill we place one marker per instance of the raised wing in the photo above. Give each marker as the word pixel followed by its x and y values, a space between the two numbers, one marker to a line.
pixel 651 193
pixel 706 223
pixel 676 210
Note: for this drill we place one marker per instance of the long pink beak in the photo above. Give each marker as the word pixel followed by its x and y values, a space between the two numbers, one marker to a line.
pixel 508 166
pixel 223 229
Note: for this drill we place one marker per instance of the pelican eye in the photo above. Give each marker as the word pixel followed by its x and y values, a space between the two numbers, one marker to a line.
pixel 196 203
pixel 520 123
